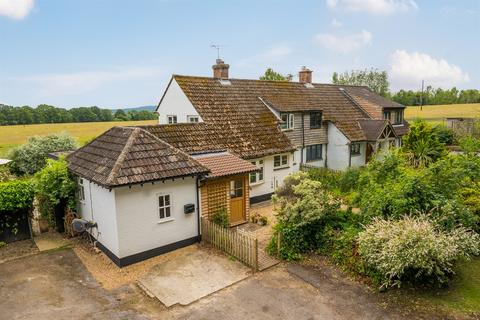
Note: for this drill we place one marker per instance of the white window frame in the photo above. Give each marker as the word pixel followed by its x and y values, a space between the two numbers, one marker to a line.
pixel 81 190
pixel 193 119
pixel 171 119
pixel 283 161
pixel 260 163
pixel 165 206
pixel 289 122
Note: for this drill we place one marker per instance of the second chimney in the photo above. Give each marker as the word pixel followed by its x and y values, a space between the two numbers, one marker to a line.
pixel 220 69
pixel 305 75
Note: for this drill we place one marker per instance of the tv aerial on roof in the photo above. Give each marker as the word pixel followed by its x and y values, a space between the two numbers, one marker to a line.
pixel 218 47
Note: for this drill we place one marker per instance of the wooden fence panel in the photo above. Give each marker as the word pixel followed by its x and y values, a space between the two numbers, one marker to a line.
pixel 241 246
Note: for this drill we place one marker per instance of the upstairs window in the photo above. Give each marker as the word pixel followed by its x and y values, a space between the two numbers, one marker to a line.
pixel 81 190
pixel 386 115
pixel 192 119
pixel 164 207
pixel 287 121
pixel 315 120
pixel 398 117
pixel 171 119
pixel 395 117
pixel 257 177
pixel 355 148
pixel 280 161
pixel 314 152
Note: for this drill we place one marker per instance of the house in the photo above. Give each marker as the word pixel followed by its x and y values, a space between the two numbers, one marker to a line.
pixel 221 145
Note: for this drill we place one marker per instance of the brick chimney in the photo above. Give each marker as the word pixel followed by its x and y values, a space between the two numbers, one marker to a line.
pixel 305 75
pixel 220 69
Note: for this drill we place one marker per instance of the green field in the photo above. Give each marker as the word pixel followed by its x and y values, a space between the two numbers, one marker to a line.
pixel 438 113
pixel 11 136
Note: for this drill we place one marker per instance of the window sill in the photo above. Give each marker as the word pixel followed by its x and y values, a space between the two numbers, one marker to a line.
pixel 397 125
pixel 314 160
pixel 313 128
pixel 280 168
pixel 165 220
pixel 257 183
pixel 355 154
pixel 289 129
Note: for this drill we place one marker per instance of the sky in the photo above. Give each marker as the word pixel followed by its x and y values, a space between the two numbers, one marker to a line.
pixel 119 53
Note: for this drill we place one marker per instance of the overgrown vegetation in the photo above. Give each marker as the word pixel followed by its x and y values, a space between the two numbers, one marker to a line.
pixel 54 184
pixel 32 156
pixel 16 198
pixel 418 213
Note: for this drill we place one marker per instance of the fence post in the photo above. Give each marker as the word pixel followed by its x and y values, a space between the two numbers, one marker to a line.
pixel 255 255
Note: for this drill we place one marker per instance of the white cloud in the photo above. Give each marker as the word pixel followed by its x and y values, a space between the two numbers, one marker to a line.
pixel 374 6
pixel 274 54
pixel 407 71
pixel 336 24
pixel 344 44
pixel 61 84
pixel 16 9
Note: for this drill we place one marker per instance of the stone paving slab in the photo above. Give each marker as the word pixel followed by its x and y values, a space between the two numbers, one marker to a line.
pixel 191 276
pixel 50 241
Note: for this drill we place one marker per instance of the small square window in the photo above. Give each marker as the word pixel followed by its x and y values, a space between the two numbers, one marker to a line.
pixel 257 177
pixel 192 119
pixel 315 120
pixel 280 161
pixel 172 119
pixel 287 121
pixel 355 148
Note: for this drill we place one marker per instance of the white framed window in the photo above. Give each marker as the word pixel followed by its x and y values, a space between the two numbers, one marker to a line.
pixel 192 119
pixel 280 161
pixel 81 190
pixel 257 177
pixel 287 121
pixel 172 119
pixel 164 207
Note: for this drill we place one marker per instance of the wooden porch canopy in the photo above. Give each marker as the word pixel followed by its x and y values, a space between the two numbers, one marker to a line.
pixel 226 187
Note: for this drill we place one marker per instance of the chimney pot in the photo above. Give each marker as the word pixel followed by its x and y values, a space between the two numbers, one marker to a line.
pixel 305 75
pixel 220 69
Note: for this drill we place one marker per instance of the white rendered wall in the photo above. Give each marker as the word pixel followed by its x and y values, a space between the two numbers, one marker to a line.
pixel 274 178
pixel 99 207
pixel 139 226
pixel 175 102
pixel 338 149
pixel 358 160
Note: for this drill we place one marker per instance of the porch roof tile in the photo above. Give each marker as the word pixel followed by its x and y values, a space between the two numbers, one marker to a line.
pixel 224 164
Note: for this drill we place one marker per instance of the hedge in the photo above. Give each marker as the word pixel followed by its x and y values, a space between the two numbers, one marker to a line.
pixel 16 195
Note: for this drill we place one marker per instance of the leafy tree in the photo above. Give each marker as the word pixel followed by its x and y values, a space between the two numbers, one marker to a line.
pixel 120 115
pixel 422 145
pixel 376 80
pixel 32 156
pixel 271 75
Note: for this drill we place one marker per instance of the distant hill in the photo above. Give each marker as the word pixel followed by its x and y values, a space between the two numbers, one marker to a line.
pixel 149 108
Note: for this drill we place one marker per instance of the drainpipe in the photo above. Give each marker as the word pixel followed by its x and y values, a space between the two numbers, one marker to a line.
pixel 199 235
pixel 303 139
pixel 349 155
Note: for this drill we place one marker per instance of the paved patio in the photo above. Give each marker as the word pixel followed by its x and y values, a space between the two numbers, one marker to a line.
pixel 191 276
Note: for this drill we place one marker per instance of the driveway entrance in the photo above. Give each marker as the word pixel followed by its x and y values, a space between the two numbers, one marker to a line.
pixel 193 275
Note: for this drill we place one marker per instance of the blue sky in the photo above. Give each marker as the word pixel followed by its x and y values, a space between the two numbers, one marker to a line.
pixel 113 53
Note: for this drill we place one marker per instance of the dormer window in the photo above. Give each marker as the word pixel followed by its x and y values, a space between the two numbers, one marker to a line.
pixel 192 119
pixel 172 119
pixel 287 121
pixel 395 116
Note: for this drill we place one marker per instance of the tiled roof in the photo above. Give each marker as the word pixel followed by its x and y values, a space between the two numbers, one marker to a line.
pixel 123 156
pixel 372 128
pixel 366 96
pixel 224 164
pixel 246 143
pixel 239 106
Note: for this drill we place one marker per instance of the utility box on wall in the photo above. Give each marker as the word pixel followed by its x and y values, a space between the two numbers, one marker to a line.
pixel 189 208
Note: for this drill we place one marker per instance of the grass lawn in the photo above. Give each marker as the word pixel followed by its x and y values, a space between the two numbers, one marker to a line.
pixel 437 113
pixel 461 297
pixel 11 136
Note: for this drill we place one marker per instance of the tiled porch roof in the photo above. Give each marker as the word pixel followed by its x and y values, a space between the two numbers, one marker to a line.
pixel 224 164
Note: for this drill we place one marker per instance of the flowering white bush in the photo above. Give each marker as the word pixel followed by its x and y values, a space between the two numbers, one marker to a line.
pixel 413 248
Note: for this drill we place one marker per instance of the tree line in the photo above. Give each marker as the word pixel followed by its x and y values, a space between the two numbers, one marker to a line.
pixel 43 113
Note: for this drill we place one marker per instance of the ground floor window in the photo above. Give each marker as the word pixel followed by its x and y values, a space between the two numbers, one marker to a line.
pixel 81 190
pixel 257 177
pixel 164 206
pixel 314 152
pixel 280 161
pixel 355 148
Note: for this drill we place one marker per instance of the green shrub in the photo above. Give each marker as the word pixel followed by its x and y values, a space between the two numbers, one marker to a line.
pixel 422 145
pixel 329 178
pixel 16 195
pixel 2 244
pixel 221 218
pixel 412 249
pixel 6 175
pixel 348 180
pixel 32 156
pixel 53 184
pixel 444 135
pixel 300 215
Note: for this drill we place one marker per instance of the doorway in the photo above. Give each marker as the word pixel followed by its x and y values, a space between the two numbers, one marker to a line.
pixel 237 201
